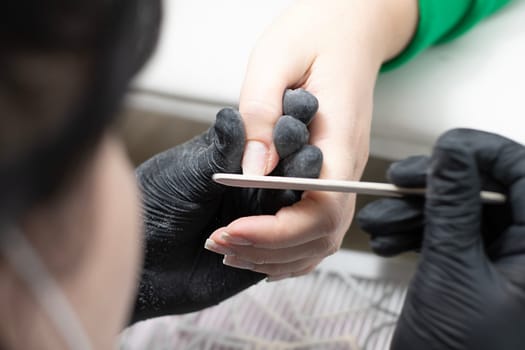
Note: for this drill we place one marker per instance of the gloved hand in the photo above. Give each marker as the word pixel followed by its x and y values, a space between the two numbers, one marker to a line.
pixel 183 206
pixel 468 292
pixel 396 225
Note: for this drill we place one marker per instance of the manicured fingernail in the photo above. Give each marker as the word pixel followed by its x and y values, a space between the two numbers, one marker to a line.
pixel 255 158
pixel 217 248
pixel 277 278
pixel 240 264
pixel 235 240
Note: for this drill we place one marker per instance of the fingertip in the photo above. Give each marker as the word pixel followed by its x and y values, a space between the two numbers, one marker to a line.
pixel 289 135
pixel 307 162
pixel 389 246
pixel 300 104
pixel 409 172
pixel 230 134
pixel 229 114
pixel 384 247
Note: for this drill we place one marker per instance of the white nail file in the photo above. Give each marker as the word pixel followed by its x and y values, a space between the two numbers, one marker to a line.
pixel 305 184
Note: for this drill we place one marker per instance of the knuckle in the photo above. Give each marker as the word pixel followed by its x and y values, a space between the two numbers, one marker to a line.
pixel 332 250
pixel 329 247
pixel 330 224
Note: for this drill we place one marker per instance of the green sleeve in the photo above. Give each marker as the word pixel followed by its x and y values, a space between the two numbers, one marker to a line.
pixel 443 20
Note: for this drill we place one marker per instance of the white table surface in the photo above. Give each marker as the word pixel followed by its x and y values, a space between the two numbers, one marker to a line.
pixel 476 81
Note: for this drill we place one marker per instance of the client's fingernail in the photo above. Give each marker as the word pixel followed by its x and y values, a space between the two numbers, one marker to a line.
pixel 255 158
pixel 240 264
pixel 217 248
pixel 277 278
pixel 235 240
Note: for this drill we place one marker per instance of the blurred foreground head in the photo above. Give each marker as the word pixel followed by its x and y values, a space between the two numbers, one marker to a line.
pixel 65 183
pixel 64 68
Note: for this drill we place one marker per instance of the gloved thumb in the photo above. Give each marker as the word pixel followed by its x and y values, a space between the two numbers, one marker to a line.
pixel 186 170
pixel 453 205
pixel 226 143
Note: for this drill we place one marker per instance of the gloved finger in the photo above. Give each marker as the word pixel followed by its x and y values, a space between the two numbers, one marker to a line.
pixel 306 162
pixel 496 218
pixel 508 254
pixel 289 135
pixel 281 270
pixel 220 152
pixel 300 104
pixel 503 160
pixel 409 172
pixel 397 216
pixel 412 172
pixel 395 225
pixel 388 216
pixel 181 176
pixel 453 204
pixel 226 149
pixel 403 233
pixel 396 244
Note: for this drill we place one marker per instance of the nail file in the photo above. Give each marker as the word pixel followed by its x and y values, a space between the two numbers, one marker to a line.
pixel 359 187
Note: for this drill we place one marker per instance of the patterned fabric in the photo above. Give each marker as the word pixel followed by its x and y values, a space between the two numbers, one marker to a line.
pixel 323 310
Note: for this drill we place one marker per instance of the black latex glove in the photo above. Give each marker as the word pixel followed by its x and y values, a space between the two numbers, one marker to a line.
pixel 396 225
pixel 465 294
pixel 183 206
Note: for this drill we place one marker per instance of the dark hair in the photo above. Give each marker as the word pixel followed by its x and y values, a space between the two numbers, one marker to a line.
pixel 110 39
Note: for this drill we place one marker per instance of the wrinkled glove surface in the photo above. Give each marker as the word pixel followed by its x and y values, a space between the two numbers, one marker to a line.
pixel 469 288
pixel 183 206
pixel 396 225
